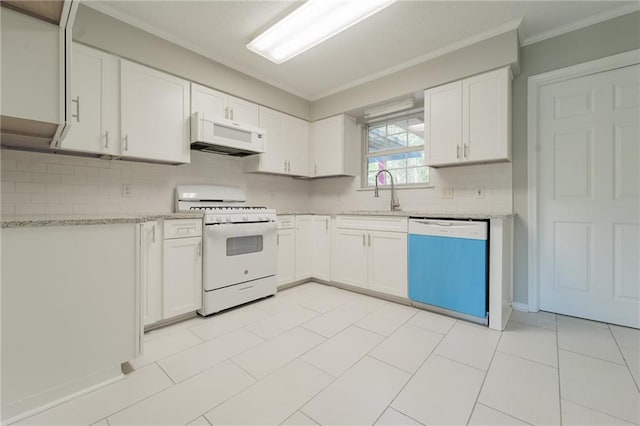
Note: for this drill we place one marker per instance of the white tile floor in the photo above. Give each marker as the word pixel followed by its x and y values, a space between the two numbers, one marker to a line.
pixel 319 355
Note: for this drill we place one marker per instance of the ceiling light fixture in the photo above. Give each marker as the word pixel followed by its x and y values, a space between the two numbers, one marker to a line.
pixel 310 24
pixel 390 108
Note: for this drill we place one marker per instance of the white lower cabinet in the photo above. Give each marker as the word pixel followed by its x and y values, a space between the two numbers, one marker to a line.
pixel 181 267
pixel 151 271
pixel 370 252
pixel 304 246
pixel 321 258
pixel 387 262
pixel 349 257
pixel 286 240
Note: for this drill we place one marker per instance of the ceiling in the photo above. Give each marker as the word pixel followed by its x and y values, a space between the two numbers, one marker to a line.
pixel 401 35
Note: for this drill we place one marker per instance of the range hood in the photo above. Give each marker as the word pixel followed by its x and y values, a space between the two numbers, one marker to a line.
pixel 36 40
pixel 221 136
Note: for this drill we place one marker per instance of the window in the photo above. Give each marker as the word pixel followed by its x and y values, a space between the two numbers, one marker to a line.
pixel 396 144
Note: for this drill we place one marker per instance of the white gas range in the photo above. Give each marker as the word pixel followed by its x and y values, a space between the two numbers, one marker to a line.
pixel 239 262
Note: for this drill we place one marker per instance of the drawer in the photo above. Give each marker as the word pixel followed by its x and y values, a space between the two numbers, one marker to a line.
pixel 182 228
pixel 372 223
pixel 286 222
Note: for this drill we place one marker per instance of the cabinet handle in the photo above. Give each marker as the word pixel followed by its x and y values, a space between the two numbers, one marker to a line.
pixel 153 234
pixel 77 114
pixel 226 112
pixel 106 139
pixel 126 142
pixel 466 151
pixel 231 113
pixel 364 243
pixel 289 166
pixel 315 169
pixel 277 239
pixel 326 224
pixel 458 152
pixel 199 249
pixel 369 237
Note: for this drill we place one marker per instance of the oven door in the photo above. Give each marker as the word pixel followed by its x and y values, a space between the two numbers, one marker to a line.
pixel 238 252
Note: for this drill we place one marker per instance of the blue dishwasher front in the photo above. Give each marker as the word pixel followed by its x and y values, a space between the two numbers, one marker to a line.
pixel 448 265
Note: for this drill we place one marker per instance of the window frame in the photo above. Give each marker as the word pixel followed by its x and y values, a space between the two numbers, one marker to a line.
pixel 366 154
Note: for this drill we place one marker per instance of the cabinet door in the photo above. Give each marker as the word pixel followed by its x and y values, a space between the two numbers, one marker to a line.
pixel 151 269
pixel 296 145
pixel 182 276
pixel 486 117
pixel 31 79
pixel 154 114
pixel 286 239
pixel 321 257
pixel 209 102
pixel 349 257
pixel 387 272
pixel 304 246
pixel 328 146
pixel 244 112
pixel 94 95
pixel 443 124
pixel 272 160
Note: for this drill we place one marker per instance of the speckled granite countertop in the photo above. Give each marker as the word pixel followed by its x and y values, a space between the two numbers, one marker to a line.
pixel 33 221
pixel 449 215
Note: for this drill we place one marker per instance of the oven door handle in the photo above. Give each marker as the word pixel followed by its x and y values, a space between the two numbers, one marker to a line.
pixel 241 229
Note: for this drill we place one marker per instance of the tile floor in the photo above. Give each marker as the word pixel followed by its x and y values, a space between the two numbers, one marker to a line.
pixel 315 354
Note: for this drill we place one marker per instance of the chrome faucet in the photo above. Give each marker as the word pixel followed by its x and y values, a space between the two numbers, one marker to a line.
pixel 395 203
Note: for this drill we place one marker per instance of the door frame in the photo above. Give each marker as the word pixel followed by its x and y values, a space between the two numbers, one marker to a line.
pixel 535 83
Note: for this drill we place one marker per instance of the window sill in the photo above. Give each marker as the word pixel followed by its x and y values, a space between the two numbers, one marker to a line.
pixel 399 188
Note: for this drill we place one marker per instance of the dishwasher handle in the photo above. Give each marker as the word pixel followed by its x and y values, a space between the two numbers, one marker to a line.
pixel 476 230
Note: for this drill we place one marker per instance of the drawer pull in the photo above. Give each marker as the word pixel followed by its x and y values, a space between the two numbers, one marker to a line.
pixel 247 288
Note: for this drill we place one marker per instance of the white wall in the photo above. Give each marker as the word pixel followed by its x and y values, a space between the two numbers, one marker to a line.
pixel 38 183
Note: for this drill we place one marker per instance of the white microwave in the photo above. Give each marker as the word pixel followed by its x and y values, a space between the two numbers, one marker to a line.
pixel 222 136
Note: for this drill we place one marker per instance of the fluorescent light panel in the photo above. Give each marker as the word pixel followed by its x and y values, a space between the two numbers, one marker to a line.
pixel 310 24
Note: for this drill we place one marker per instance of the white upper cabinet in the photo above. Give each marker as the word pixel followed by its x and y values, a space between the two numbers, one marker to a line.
pixel 33 79
pixel 443 124
pixel 335 143
pixel 486 117
pixel 212 103
pixel 287 145
pixel 296 145
pixel 469 121
pixel 154 115
pixel 94 91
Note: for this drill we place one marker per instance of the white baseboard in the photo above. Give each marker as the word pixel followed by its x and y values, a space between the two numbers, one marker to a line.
pixel 522 307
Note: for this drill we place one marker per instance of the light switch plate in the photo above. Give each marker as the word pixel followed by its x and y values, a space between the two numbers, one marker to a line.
pixel 126 190
pixel 447 192
pixel 479 192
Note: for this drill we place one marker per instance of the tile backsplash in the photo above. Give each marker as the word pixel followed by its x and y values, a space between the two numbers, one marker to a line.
pixel 39 183
pixel 344 194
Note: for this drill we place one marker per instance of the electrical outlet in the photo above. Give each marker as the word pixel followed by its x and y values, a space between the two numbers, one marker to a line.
pixel 479 191
pixel 126 190
pixel 447 192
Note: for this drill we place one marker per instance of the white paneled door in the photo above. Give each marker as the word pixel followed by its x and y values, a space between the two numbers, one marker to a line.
pixel 589 196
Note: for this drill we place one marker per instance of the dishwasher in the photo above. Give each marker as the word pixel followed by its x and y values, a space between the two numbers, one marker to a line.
pixel 448 266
